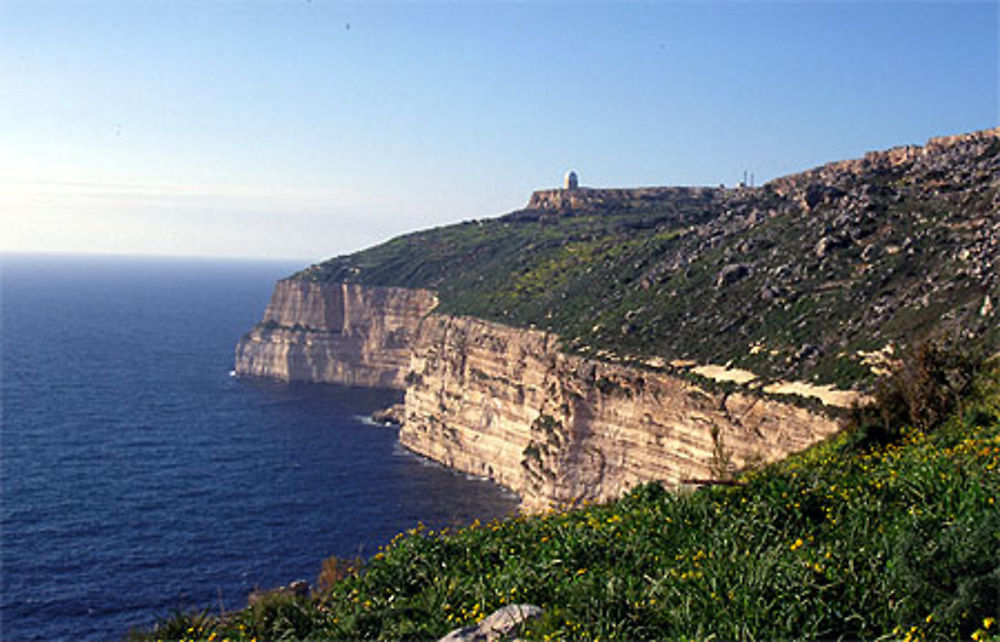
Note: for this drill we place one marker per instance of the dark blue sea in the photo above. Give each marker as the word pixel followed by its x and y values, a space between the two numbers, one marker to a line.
pixel 139 476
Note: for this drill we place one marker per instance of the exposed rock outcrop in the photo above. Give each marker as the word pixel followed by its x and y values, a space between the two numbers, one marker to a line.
pixel 391 416
pixel 335 333
pixel 559 429
pixel 502 624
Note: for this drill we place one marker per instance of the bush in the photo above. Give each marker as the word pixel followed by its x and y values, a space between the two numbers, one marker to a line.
pixel 279 614
pixel 179 625
pixel 925 389
pixel 336 569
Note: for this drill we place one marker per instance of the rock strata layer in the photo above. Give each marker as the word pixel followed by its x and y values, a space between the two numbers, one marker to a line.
pixel 559 429
pixel 507 404
pixel 335 333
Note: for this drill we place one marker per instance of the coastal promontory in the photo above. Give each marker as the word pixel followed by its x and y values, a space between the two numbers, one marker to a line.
pixel 601 338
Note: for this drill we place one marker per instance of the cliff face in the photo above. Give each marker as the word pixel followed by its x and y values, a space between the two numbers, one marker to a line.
pixel 559 429
pixel 335 333
pixel 505 403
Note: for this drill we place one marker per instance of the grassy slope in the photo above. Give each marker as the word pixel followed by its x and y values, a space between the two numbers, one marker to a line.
pixel 902 540
pixel 641 278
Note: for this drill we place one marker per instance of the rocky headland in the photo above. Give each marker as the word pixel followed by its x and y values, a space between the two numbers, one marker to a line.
pixel 335 333
pixel 601 338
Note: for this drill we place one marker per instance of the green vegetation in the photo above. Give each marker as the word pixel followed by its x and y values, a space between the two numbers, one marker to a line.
pixel 528 267
pixel 811 271
pixel 891 533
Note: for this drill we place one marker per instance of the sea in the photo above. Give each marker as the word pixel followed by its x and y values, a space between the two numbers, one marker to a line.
pixel 139 476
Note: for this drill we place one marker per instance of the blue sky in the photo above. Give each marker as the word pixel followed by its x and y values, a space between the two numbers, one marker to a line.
pixel 307 129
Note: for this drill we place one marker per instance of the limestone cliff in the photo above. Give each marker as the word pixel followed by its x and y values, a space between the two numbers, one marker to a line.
pixel 560 429
pixel 335 333
pixel 507 404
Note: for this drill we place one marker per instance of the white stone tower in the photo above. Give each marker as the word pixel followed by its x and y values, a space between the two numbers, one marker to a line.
pixel 571 181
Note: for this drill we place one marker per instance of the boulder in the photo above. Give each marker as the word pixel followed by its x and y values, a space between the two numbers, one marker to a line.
pixel 769 293
pixel 499 625
pixel 393 415
pixel 731 273
pixel 808 351
pixel 817 194
pixel 828 243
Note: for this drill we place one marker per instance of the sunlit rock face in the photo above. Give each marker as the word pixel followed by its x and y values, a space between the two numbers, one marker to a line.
pixel 507 404
pixel 335 333
pixel 559 430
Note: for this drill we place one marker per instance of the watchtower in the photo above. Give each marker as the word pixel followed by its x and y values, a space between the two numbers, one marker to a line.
pixel 571 180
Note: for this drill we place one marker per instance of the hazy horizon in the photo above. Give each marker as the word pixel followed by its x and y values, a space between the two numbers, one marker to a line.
pixel 75 254
pixel 309 129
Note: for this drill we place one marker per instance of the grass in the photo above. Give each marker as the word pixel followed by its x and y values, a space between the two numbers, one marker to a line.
pixel 851 539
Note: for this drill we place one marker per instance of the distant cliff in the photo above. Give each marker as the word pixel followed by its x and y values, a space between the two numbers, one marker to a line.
pixel 335 333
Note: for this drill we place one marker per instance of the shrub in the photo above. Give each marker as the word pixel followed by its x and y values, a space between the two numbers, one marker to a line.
pixel 177 626
pixel 280 614
pixel 336 569
pixel 925 389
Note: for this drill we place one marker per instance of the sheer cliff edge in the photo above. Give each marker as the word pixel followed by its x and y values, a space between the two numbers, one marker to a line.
pixel 507 404
pixel 335 333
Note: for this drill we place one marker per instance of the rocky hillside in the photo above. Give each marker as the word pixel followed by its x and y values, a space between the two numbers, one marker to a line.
pixel 805 277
